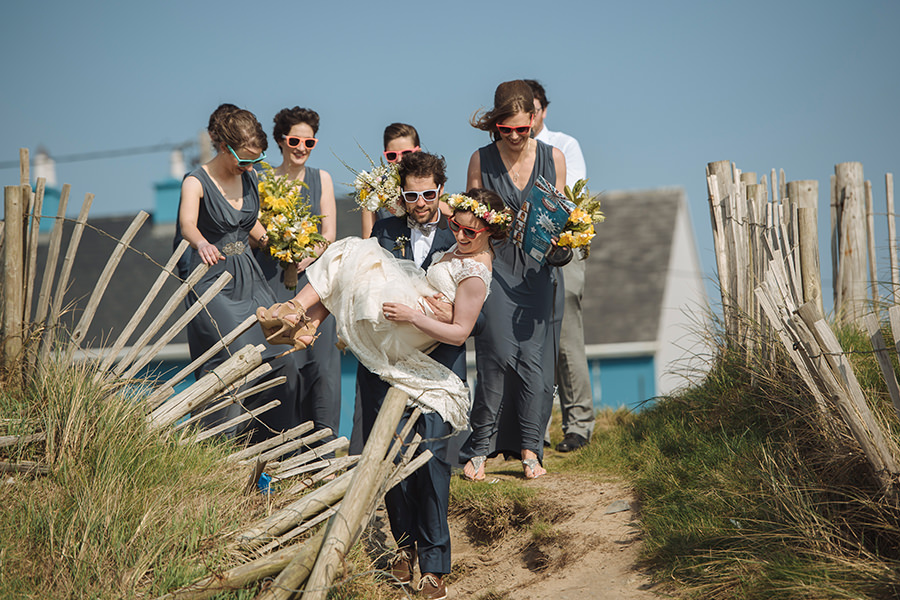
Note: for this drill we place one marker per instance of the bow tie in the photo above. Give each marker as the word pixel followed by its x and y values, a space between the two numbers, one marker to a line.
pixel 425 228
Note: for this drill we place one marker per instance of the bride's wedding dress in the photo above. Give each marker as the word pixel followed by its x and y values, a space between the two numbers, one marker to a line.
pixel 354 277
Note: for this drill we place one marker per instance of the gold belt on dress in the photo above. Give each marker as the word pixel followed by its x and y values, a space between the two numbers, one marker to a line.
pixel 233 248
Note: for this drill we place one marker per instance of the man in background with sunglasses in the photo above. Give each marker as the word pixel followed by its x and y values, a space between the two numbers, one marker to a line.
pixel 417 507
pixel 572 375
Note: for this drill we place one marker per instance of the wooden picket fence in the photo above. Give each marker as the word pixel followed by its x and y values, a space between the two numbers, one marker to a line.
pixel 345 505
pixel 766 243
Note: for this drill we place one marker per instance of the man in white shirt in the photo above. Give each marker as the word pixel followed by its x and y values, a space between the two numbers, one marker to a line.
pixel 572 375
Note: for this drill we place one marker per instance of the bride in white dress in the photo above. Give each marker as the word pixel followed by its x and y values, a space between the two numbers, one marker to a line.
pixel 379 303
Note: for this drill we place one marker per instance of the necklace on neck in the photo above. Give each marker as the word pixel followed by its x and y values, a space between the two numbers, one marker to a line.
pixel 231 200
pixel 456 252
pixel 512 168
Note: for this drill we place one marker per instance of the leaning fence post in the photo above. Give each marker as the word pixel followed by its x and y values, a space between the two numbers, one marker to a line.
pixel 24 167
pixel 806 196
pixel 342 527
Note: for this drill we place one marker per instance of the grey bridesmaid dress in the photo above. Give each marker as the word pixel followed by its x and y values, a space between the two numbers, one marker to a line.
pixel 228 229
pixel 319 383
pixel 516 351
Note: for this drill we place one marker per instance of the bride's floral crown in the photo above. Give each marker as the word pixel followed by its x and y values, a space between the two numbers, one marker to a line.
pixel 498 218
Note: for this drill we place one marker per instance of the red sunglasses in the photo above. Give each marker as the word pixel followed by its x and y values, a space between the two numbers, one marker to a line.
pixel 469 232
pixel 395 155
pixel 294 142
pixel 521 130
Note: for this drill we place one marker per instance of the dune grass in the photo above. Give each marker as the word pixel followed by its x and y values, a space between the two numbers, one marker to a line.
pixel 124 512
pixel 743 493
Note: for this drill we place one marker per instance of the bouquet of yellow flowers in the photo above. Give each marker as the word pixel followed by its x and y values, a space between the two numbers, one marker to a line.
pixel 579 229
pixel 292 228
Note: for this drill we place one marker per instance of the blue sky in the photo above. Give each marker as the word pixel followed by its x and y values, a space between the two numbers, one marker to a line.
pixel 653 90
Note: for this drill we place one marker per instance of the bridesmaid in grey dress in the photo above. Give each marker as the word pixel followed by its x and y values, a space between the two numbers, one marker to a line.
pixel 218 217
pixel 319 393
pixel 516 350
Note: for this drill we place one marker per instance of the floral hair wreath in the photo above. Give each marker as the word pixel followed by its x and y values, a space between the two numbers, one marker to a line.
pixel 498 218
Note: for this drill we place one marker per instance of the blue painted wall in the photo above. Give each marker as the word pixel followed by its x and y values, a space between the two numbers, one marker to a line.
pixel 49 208
pixel 618 382
pixel 168 197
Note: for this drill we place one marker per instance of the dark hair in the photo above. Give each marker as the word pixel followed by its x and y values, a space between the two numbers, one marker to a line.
pixel 423 164
pixel 492 200
pixel 288 117
pixel 398 130
pixel 510 97
pixel 538 90
pixel 236 127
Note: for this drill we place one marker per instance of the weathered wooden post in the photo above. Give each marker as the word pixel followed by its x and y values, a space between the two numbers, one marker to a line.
pixel 14 279
pixel 343 527
pixel 850 199
pixel 31 254
pixel 68 263
pixel 806 196
pixel 892 236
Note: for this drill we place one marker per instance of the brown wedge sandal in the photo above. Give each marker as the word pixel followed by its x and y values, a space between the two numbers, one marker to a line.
pixel 279 329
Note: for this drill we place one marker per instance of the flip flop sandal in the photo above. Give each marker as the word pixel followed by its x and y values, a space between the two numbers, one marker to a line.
pixel 531 463
pixel 477 463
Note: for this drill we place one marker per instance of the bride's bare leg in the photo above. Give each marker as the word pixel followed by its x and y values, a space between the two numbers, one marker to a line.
pixel 308 298
pixel 315 312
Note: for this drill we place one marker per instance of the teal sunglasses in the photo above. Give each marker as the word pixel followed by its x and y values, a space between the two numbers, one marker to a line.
pixel 246 162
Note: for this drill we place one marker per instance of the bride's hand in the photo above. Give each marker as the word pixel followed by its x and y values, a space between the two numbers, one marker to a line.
pixel 443 310
pixel 400 313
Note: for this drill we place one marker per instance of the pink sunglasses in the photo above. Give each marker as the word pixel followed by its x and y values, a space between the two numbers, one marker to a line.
pixel 395 155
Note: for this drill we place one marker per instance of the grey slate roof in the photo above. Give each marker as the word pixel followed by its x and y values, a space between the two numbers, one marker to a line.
pixel 626 272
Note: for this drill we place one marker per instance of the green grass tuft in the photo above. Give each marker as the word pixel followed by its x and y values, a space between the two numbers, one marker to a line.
pixel 124 511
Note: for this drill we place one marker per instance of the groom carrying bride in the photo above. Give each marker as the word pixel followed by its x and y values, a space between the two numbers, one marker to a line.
pixel 417 507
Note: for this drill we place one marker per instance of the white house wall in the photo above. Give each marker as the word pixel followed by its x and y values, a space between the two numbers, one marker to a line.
pixel 682 352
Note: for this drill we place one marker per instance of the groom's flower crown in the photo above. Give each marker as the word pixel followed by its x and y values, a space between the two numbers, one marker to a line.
pixel 500 218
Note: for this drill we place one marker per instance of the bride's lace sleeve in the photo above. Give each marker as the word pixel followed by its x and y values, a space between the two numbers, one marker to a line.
pixel 467 267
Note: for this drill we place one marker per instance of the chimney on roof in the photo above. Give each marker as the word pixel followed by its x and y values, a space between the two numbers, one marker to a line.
pixel 176 164
pixel 45 167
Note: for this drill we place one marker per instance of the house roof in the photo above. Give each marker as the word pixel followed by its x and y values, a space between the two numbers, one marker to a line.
pixel 138 269
pixel 624 281
pixel 625 275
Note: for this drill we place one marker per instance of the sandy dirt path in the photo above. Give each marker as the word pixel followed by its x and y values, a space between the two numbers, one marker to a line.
pixel 593 554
